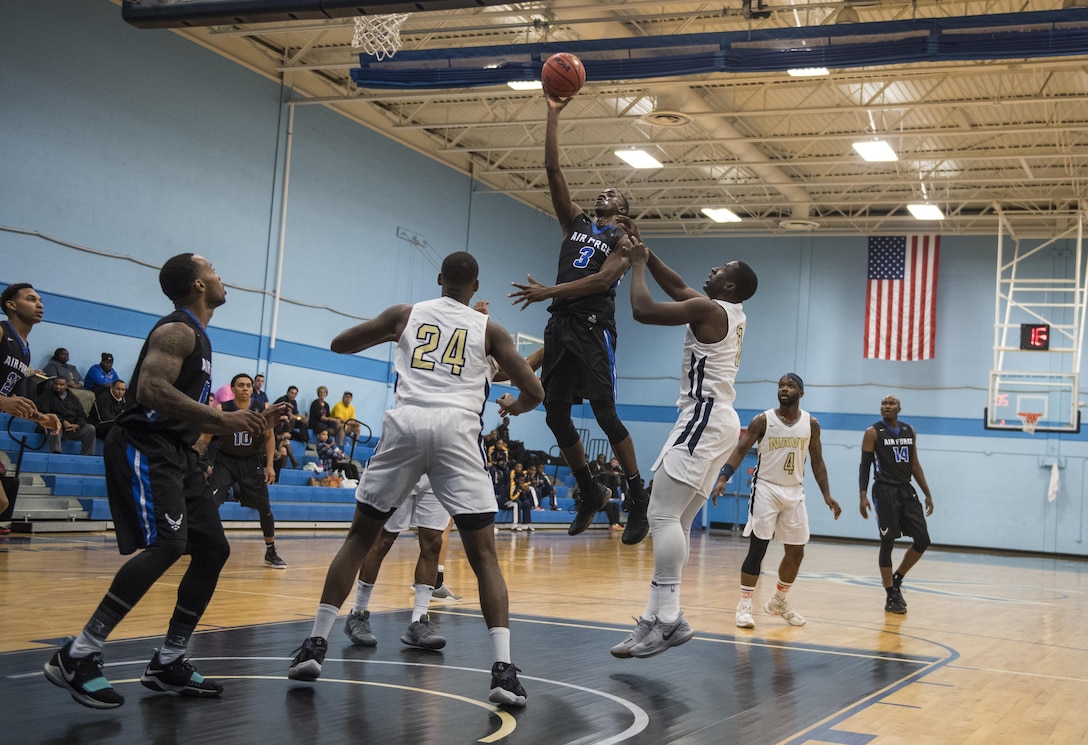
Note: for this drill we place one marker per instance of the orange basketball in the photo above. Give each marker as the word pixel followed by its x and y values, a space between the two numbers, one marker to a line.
pixel 562 75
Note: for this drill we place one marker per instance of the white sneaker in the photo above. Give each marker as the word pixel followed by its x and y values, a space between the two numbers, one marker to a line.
pixel 744 615
pixel 642 628
pixel 781 607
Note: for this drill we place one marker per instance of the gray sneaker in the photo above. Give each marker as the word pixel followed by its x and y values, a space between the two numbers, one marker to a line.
pixel 423 634
pixel 642 628
pixel 662 636
pixel 357 627
pixel 445 593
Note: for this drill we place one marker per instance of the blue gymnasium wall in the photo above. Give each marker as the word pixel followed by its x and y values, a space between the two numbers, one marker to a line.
pixel 157 146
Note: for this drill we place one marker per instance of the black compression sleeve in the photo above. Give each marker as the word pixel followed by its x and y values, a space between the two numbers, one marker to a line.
pixel 863 472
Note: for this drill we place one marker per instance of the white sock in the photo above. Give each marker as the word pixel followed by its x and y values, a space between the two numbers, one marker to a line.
pixel 500 643
pixel 668 604
pixel 324 620
pixel 653 603
pixel 781 589
pixel 362 595
pixel 423 599
pixel 85 645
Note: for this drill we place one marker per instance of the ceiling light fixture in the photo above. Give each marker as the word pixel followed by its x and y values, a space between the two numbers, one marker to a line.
pixel 807 72
pixel 721 214
pixel 525 85
pixel 925 211
pixel 875 151
pixel 639 158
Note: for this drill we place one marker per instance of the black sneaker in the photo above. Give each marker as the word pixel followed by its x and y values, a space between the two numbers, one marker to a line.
pixel 895 602
pixel 308 659
pixel 272 559
pixel 83 678
pixel 638 525
pixel 505 687
pixel 588 507
pixel 178 677
pixel 897 586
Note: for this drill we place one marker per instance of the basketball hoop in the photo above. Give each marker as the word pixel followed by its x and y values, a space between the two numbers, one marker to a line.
pixel 378 35
pixel 1028 420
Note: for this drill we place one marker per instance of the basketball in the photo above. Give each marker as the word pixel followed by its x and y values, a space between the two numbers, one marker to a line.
pixel 562 75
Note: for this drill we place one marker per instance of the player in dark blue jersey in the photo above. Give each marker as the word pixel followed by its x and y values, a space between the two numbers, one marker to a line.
pixel 159 498
pixel 580 339
pixel 891 446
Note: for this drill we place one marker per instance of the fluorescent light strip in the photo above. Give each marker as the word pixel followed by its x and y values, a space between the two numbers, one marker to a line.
pixel 525 85
pixel 807 72
pixel 925 211
pixel 875 151
pixel 721 214
pixel 639 158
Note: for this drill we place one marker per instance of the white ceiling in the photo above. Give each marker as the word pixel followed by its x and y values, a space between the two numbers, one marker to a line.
pixel 978 139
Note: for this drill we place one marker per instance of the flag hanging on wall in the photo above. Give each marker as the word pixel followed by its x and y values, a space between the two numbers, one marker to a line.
pixel 901 298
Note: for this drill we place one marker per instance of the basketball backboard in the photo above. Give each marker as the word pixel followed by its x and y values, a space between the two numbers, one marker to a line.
pixel 1053 396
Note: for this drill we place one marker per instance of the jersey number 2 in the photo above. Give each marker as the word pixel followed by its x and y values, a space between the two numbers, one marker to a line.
pixel 430 338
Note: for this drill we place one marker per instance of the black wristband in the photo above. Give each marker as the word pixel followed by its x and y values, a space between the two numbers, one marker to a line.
pixel 863 472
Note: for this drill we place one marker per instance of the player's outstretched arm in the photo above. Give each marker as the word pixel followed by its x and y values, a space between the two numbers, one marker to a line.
pixel 386 327
pixel 614 267
pixel 565 209
pixel 754 432
pixel 530 391
pixel 819 468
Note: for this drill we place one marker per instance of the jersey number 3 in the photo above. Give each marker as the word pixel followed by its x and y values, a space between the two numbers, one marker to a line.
pixel 430 338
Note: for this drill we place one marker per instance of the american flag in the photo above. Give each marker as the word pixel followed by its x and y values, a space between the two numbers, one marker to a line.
pixel 901 298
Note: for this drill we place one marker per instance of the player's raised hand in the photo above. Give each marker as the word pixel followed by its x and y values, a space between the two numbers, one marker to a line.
pixel 529 293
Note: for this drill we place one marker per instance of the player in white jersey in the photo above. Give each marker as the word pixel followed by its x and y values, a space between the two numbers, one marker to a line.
pixel 425 513
pixel 787 437
pixel 441 389
pixel 705 432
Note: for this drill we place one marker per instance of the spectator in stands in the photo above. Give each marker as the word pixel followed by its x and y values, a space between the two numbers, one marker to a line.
pixel 321 418
pixel 333 458
pixel 259 400
pixel 521 494
pixel 541 485
pixel 73 419
pixel 284 453
pixel 58 367
pixel 618 478
pixel 101 376
pixel 503 430
pixel 223 394
pixel 498 463
pixel 108 405
pixel 296 424
pixel 344 413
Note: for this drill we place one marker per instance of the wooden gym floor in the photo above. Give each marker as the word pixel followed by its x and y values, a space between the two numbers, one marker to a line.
pixel 994 650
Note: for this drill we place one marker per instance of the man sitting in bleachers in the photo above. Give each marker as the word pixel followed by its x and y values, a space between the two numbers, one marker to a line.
pixel 73 419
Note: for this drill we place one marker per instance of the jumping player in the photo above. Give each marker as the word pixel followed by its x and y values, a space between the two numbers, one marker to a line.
pixel 891 445
pixel 442 385
pixel 705 432
pixel 787 437
pixel 158 496
pixel 580 338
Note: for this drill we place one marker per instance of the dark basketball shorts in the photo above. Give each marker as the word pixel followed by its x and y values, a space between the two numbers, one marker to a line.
pixel 248 473
pixel 579 360
pixel 898 511
pixel 158 492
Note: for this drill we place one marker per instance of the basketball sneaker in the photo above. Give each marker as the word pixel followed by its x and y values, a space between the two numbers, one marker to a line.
pixel 505 686
pixel 445 593
pixel 895 602
pixel 423 634
pixel 83 678
pixel 662 636
pixel 272 559
pixel 178 677
pixel 642 628
pixel 897 585
pixel 308 659
pixel 638 525
pixel 744 615
pixel 588 507
pixel 777 606
pixel 357 627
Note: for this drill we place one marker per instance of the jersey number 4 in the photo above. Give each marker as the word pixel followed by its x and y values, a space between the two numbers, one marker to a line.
pixel 430 338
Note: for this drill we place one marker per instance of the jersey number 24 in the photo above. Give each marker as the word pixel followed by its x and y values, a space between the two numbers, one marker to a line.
pixel 430 338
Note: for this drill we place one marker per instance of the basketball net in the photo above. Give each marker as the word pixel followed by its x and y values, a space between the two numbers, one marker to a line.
pixel 378 35
pixel 1028 420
